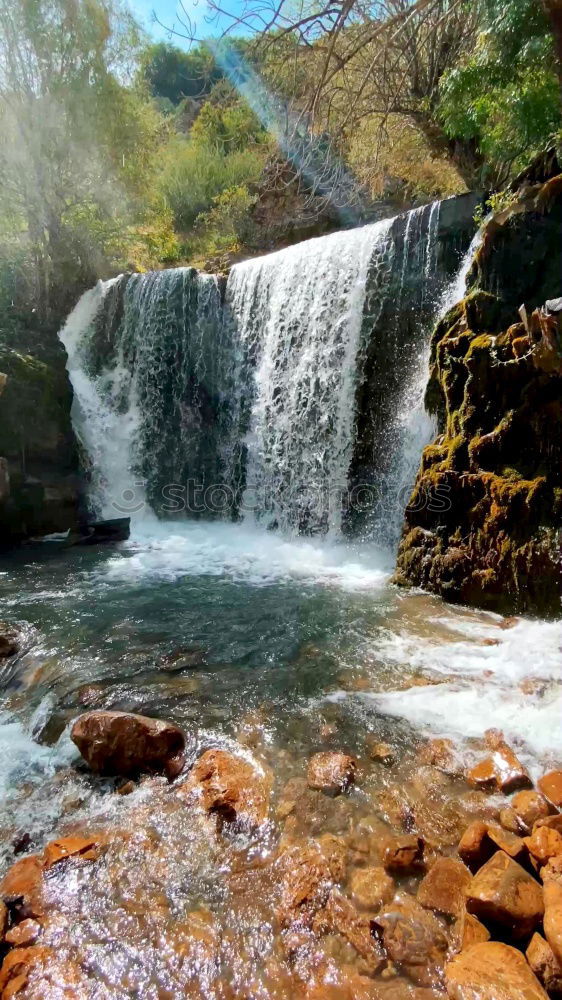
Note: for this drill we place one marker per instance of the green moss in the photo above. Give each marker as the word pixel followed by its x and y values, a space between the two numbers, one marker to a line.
pixel 34 406
pixel 482 311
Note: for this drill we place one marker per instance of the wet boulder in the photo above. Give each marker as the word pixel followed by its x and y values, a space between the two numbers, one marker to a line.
pixel 551 787
pixel 24 933
pixel 340 916
pixel 480 841
pixel 121 743
pixel 413 939
pixel 233 787
pixel 305 880
pixel 543 844
pixel 467 931
pixel 21 889
pixel 492 971
pixel 10 640
pixel 552 890
pixel 501 772
pixel 545 965
pixel 78 848
pixel 503 894
pixel 331 772
pixel 403 854
pixel 117 529
pixel 444 886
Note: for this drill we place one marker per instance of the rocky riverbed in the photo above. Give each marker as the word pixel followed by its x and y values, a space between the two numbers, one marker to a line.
pixel 176 867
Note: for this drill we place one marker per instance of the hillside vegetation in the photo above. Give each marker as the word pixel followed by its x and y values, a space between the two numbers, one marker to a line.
pixel 120 153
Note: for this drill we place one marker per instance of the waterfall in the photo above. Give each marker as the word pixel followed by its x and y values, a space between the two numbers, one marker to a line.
pixel 153 383
pixel 300 314
pixel 280 398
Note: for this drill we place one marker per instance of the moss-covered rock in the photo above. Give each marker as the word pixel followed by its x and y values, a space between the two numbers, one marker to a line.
pixel 484 523
pixel 38 447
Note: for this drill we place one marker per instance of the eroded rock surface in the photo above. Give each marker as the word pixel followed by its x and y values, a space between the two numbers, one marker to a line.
pixel 483 524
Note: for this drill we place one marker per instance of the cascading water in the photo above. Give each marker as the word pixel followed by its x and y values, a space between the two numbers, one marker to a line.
pixel 279 404
pixel 300 313
pixel 154 384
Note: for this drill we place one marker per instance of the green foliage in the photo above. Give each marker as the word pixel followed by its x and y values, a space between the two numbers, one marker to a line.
pixel 173 74
pixel 80 145
pixel 505 96
pixel 219 232
pixel 227 124
pixel 193 175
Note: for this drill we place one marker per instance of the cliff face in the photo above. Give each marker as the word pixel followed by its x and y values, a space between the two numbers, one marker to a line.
pixel 483 525
pixel 38 467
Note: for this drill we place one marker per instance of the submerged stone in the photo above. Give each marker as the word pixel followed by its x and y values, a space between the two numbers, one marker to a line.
pixel 231 786
pixel 331 772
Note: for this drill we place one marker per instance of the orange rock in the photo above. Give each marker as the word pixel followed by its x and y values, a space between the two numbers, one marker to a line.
pixel 551 787
pixel 529 806
pixel 84 848
pixel 413 939
pixel 503 771
pixel 22 886
pixel 331 772
pixel 17 966
pixel 544 843
pixel 334 850
pixel 483 775
pixel 126 744
pixel 345 985
pixel 474 845
pixel 552 822
pixel 504 894
pixel 24 933
pixel 510 821
pixel 552 891
pixel 305 883
pixel 404 854
pixel 466 932
pixel 481 840
pixel 542 960
pixel 342 917
pixel 441 753
pixel 443 887
pixel 230 786
pixel 381 752
pixel 371 887
pixel 492 971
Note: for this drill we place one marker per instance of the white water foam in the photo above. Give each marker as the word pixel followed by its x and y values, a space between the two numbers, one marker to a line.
pixel 515 686
pixel 167 551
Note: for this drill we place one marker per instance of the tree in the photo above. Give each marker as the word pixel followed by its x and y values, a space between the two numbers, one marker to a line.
pixel 77 141
pixel 340 61
pixel 174 74
pixel 504 96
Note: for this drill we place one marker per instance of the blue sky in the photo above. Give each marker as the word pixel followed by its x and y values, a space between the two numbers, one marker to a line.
pixel 167 12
